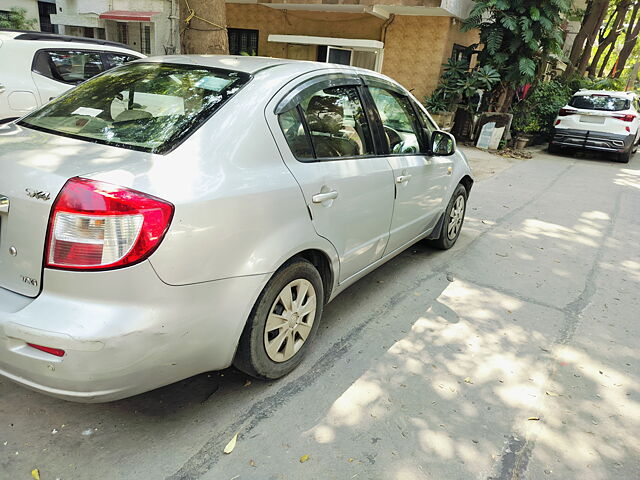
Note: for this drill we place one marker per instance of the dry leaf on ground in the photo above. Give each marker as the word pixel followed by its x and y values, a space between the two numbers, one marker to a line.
pixel 35 473
pixel 304 458
pixel 231 445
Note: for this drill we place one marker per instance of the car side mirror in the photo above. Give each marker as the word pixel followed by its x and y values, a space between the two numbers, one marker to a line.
pixel 442 144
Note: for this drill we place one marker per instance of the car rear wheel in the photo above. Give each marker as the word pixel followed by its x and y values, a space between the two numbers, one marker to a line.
pixel 626 156
pixel 453 219
pixel 283 322
pixel 554 149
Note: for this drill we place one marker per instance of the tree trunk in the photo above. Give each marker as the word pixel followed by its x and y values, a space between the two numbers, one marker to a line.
pixel 586 54
pixel 506 99
pixel 616 27
pixel 606 60
pixel 203 27
pixel 591 22
pixel 630 39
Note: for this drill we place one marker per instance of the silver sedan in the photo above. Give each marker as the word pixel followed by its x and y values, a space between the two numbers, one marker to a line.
pixel 185 213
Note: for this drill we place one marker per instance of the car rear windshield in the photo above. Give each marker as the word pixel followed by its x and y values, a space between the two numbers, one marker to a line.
pixel 142 106
pixel 600 102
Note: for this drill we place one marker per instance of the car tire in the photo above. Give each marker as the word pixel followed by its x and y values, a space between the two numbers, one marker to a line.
pixel 554 149
pixel 280 327
pixel 625 156
pixel 453 219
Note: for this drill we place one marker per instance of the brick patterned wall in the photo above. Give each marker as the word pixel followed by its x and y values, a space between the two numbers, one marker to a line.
pixel 415 46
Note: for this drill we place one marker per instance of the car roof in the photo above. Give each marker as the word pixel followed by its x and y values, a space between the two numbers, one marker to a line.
pixel 49 40
pixel 241 63
pixel 611 93
pixel 254 64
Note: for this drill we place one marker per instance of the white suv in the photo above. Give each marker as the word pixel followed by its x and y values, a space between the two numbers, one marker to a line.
pixel 37 67
pixel 598 120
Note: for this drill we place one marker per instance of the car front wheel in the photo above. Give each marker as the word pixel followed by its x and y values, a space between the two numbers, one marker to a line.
pixel 283 322
pixel 453 219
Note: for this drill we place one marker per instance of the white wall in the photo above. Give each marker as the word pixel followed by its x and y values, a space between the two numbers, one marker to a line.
pixel 31 6
pixel 86 12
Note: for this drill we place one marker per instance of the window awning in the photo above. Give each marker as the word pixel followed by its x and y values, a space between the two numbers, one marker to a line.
pixel 127 16
pixel 357 43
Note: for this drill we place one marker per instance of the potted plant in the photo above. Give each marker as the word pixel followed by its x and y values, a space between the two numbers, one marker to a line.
pixel 459 88
pixel 525 127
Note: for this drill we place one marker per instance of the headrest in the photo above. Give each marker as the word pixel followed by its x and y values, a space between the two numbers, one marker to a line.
pixel 325 114
pixel 91 70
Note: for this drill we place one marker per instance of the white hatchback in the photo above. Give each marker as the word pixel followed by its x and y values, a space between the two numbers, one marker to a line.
pixel 598 120
pixel 37 67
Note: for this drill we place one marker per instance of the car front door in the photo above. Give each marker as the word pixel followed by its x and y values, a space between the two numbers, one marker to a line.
pixel 325 138
pixel 420 179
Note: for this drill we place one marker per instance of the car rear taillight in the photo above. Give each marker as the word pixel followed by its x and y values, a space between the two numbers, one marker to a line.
pixel 628 117
pixel 566 111
pixel 97 225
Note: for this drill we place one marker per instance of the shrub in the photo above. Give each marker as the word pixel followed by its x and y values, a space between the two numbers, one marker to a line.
pixel 17 19
pixel 536 113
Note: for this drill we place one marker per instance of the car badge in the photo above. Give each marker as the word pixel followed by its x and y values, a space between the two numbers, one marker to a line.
pixel 38 194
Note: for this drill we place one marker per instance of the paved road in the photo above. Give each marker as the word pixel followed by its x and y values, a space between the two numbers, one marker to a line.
pixel 436 366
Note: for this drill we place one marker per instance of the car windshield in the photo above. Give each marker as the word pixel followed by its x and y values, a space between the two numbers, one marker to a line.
pixel 141 106
pixel 599 102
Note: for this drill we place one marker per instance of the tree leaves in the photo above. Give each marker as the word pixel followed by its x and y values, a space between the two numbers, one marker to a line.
pixel 527 68
pixel 494 40
pixel 518 35
pixel 535 14
pixel 510 23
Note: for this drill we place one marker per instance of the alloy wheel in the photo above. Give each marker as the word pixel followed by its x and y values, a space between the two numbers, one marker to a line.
pixel 455 218
pixel 290 320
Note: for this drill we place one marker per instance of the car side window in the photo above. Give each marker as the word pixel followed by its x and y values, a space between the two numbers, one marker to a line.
pixel 401 125
pixel 68 66
pixel 117 59
pixel 336 123
pixel 425 121
pixel 296 135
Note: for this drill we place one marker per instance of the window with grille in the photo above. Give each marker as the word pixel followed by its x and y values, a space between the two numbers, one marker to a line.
pixel 145 41
pixel 243 41
pixel 44 10
pixel 123 32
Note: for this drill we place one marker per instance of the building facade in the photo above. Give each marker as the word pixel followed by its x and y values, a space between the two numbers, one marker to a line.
pixel 39 10
pixel 147 26
pixel 408 40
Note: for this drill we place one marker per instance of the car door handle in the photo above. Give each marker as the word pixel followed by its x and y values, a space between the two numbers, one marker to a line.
pixel 323 197
pixel 403 178
pixel 4 204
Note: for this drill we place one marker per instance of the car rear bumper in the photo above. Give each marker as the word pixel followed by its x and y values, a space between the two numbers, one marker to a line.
pixel 590 140
pixel 124 332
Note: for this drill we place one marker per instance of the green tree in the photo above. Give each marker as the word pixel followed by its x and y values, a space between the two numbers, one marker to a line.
pixel 16 19
pixel 518 37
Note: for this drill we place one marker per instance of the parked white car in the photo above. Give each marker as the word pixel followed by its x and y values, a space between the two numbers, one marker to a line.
pixel 180 214
pixel 600 120
pixel 37 67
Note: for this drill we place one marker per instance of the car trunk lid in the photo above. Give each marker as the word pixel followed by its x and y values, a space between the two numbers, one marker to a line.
pixel 34 166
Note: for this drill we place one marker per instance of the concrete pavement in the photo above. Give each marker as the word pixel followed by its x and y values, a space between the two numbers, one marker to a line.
pixel 514 355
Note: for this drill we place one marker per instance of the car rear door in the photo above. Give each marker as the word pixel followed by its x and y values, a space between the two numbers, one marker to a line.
pixel 420 179
pixel 325 139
